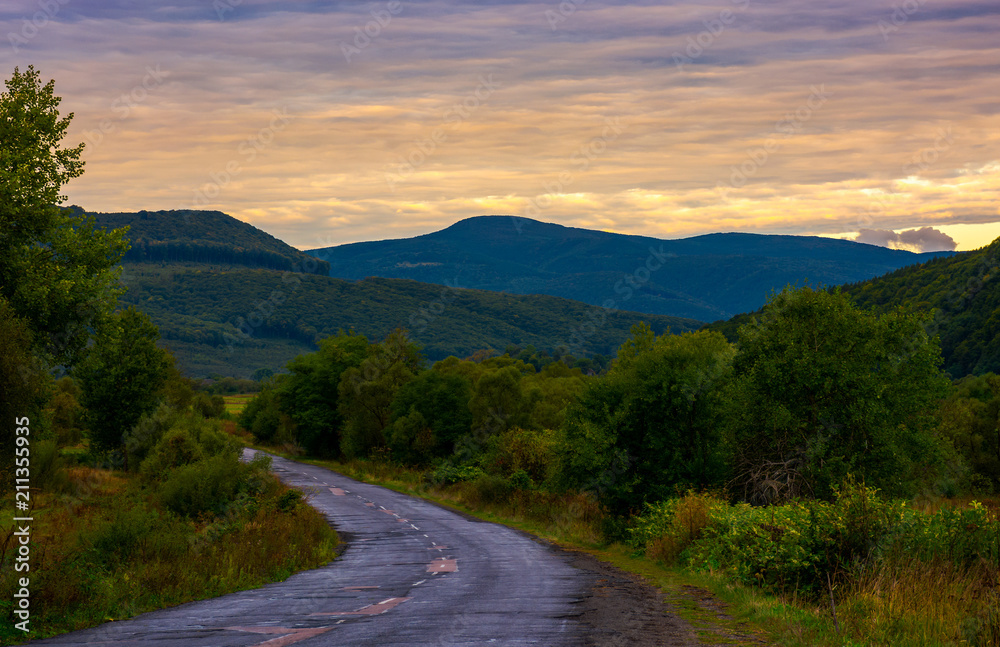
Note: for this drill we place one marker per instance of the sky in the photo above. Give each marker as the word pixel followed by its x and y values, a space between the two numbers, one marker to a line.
pixel 326 123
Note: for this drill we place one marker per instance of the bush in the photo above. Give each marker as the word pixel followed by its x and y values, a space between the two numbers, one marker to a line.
pixel 48 469
pixel 448 474
pixel 209 406
pixel 206 486
pixel 124 535
pixel 521 450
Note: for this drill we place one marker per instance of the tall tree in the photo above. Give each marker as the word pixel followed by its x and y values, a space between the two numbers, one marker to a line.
pixel 653 423
pixel 120 377
pixel 309 395
pixel 825 390
pixel 367 391
pixel 57 271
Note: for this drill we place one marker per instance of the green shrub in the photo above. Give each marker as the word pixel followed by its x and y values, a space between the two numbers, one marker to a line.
pixel 209 406
pixel 205 486
pixel 448 473
pixel 125 533
pixel 48 469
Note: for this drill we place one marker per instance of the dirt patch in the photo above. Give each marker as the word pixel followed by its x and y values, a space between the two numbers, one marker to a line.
pixel 624 610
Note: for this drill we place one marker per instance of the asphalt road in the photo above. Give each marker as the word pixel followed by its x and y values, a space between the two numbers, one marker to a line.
pixel 412 574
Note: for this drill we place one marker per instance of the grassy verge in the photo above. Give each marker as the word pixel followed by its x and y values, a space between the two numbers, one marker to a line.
pixel 107 545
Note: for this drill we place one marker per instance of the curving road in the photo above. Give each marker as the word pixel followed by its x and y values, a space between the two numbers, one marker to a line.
pixel 413 574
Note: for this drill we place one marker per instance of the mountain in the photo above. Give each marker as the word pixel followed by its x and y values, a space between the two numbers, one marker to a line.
pixel 229 299
pixel 205 237
pixel 706 277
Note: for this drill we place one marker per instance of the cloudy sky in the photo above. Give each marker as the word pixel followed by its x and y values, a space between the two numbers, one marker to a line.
pixel 332 122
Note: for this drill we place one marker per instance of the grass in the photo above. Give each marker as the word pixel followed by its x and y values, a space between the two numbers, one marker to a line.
pixel 105 549
pixel 236 403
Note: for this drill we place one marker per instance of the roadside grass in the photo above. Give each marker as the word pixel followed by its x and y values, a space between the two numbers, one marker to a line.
pixel 106 548
pixel 898 601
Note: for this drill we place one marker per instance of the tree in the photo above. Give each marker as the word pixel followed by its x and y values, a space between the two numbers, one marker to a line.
pixel 443 402
pixel 367 391
pixel 825 390
pixel 120 378
pixel 57 270
pixel 309 395
pixel 652 424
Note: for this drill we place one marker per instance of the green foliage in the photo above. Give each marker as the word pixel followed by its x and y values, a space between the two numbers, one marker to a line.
pixel 969 420
pixel 120 378
pixel 209 406
pixel 448 473
pixel 204 486
pixel 367 391
pixel 824 389
pixel 189 439
pixel 65 412
pixel 528 454
pixel 796 546
pixel 23 383
pixel 963 295
pixel 264 418
pixel 125 534
pixel 309 395
pixel 442 399
pixel 499 402
pixel 205 237
pixel 56 269
pixel 204 313
pixel 652 424
pixel 411 439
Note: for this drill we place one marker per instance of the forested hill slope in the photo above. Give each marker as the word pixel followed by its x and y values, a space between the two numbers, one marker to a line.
pixel 205 237
pixel 705 277
pixel 234 321
pixel 961 293
pixel 964 293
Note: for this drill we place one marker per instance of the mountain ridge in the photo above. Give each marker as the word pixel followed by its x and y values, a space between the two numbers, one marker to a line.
pixel 706 277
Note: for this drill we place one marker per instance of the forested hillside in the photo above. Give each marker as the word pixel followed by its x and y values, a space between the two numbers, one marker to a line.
pixel 205 237
pixel 234 321
pixel 959 293
pixel 964 295
pixel 705 277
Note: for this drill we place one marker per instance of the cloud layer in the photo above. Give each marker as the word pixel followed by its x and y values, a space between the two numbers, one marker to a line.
pixel 332 122
pixel 925 239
